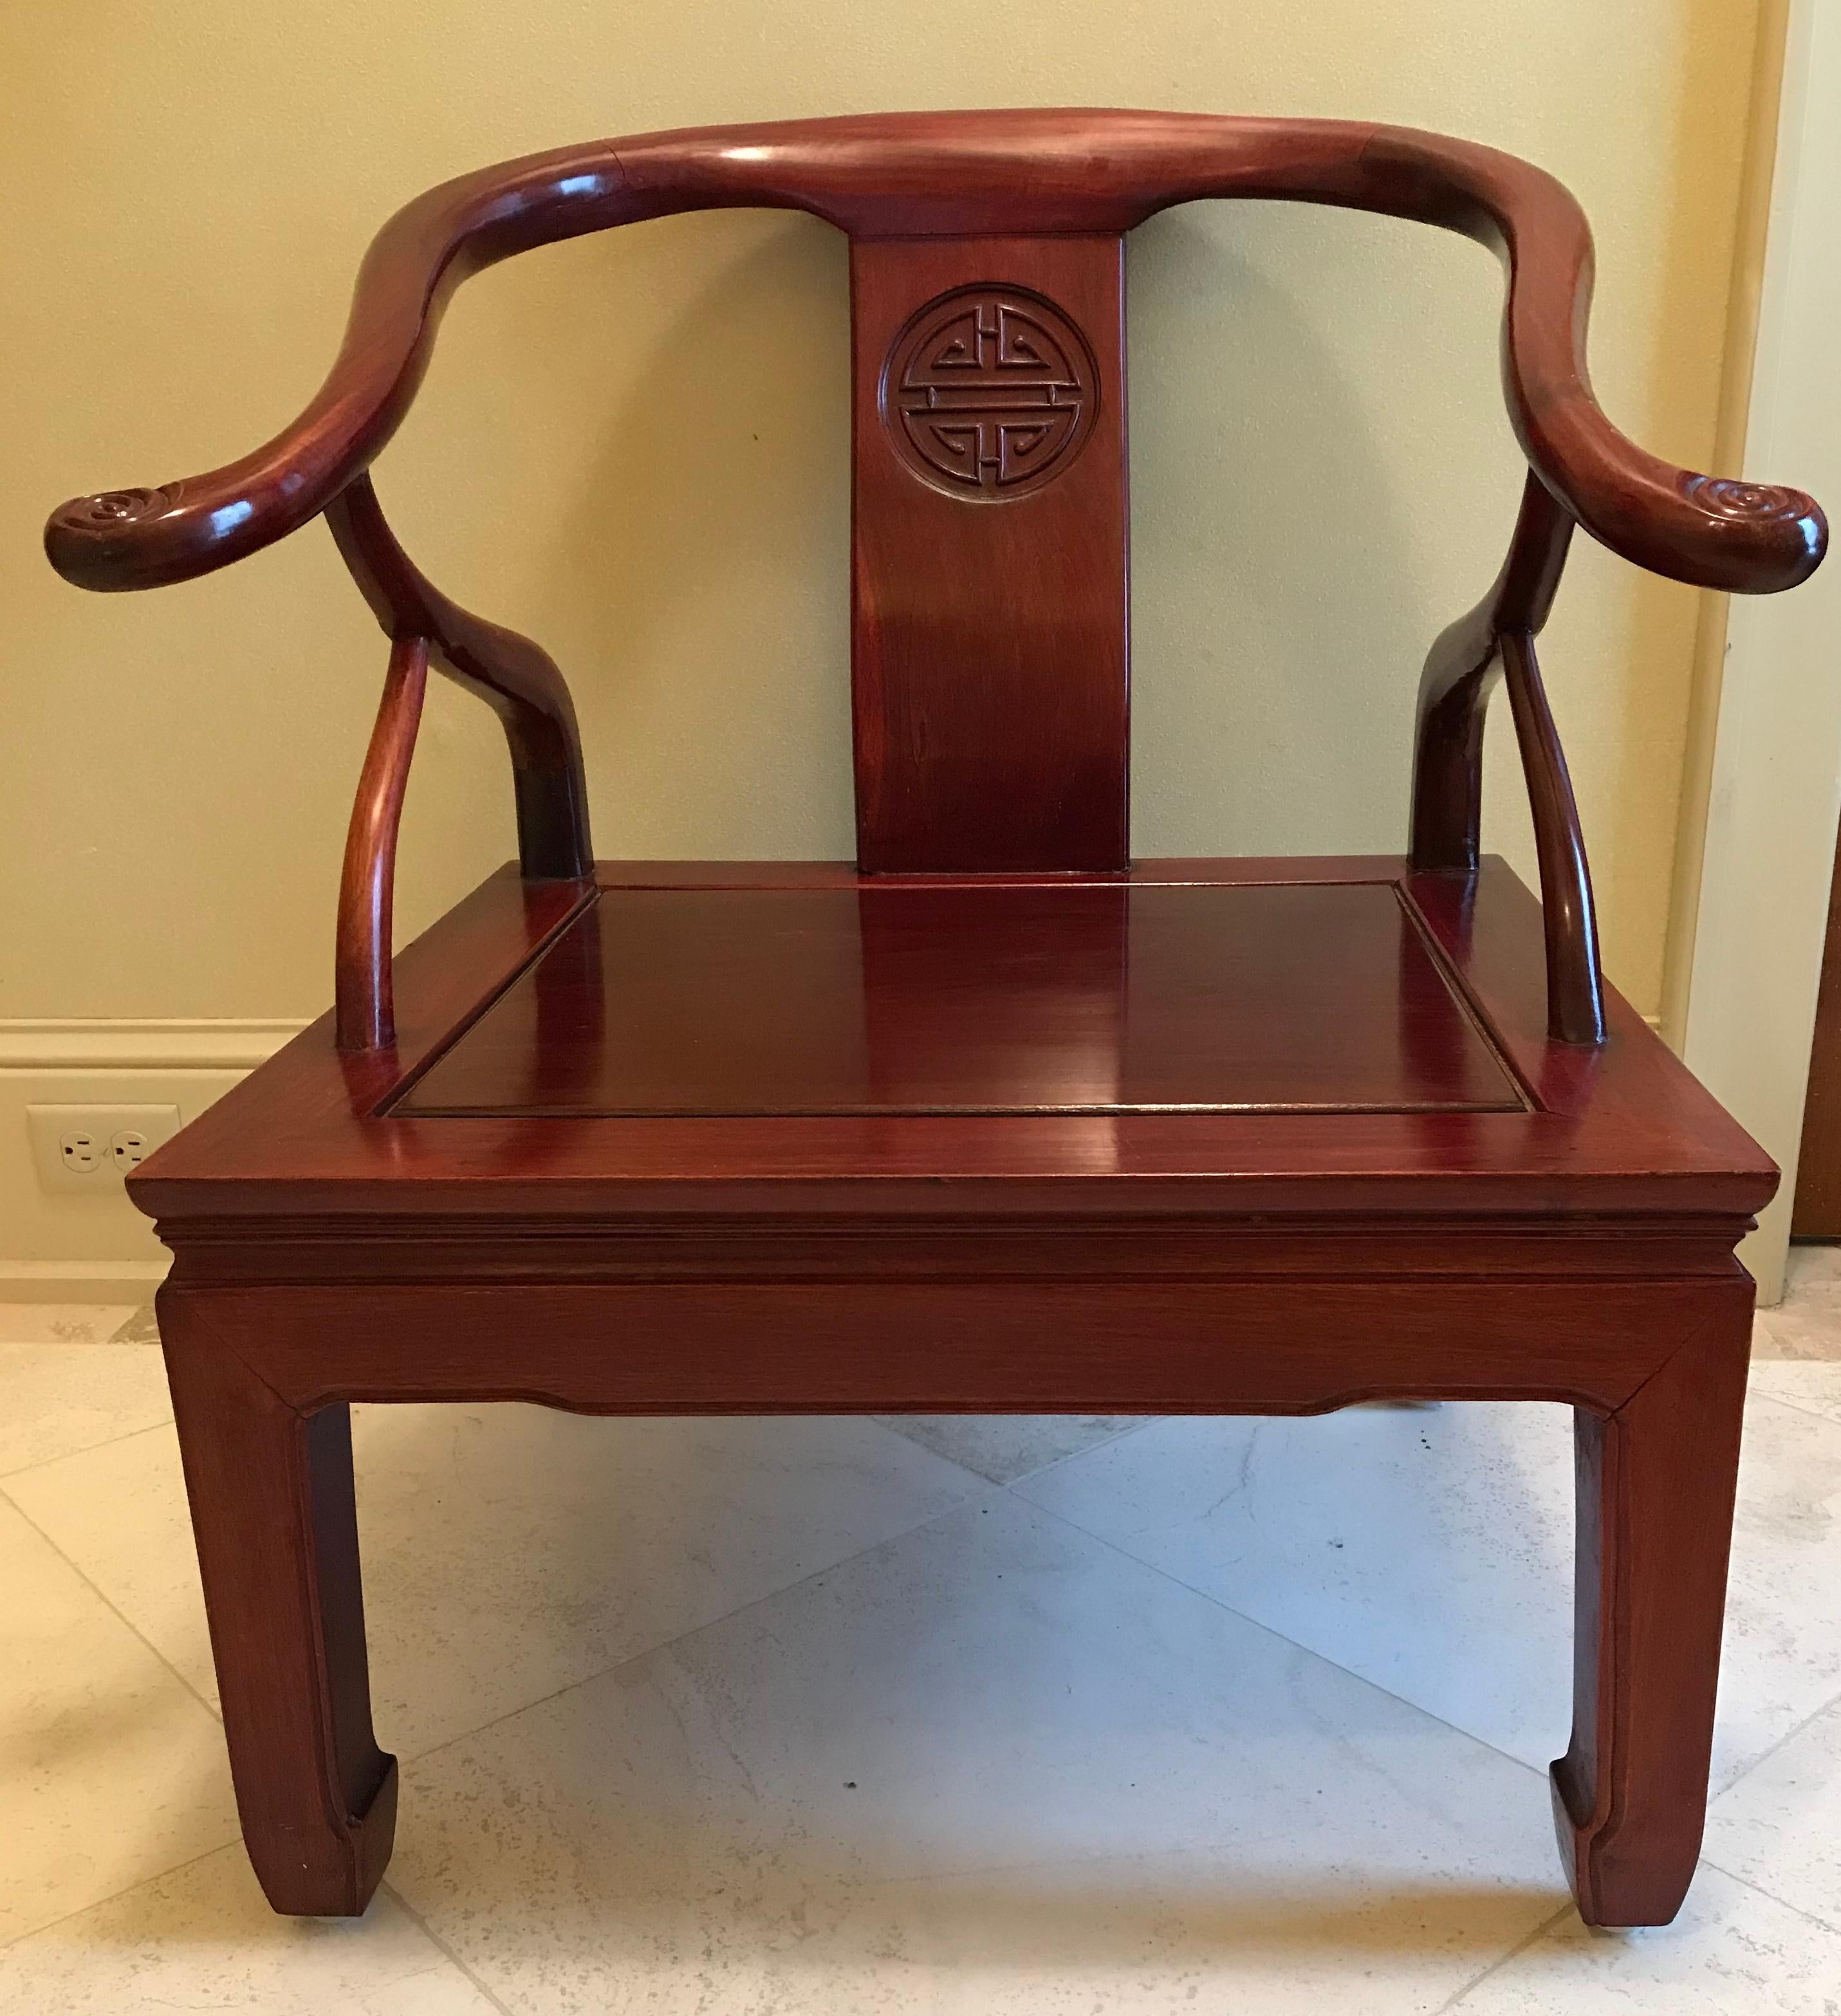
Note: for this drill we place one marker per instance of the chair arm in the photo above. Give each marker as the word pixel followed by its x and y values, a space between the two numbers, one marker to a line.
pixel 1012 172
pixel 173 531
pixel 1711 531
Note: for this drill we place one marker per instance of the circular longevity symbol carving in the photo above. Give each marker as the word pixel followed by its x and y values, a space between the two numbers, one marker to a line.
pixel 990 392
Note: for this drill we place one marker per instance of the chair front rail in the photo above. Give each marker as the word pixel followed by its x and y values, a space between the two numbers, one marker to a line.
pixel 517 679
pixel 364 1014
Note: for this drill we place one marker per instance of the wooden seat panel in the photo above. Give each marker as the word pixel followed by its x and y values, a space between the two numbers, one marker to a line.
pixel 970 997
pixel 318 1134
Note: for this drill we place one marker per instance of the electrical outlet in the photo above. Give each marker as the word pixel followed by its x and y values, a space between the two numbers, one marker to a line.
pixel 80 1150
pixel 87 1150
pixel 129 1147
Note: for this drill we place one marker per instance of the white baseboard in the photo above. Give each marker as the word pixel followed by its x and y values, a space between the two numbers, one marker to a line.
pixel 91 1281
pixel 237 1045
pixel 56 1246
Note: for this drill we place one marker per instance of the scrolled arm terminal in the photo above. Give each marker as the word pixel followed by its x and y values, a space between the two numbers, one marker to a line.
pixel 173 531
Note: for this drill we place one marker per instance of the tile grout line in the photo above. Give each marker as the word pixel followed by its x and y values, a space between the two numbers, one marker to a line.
pixel 1714 1795
pixel 1763 1756
pixel 1073 1456
pixel 88 1449
pixel 1003 1484
pixel 977 1485
pixel 1759 1889
pixel 440 1945
pixel 116 1896
pixel 1495 1966
pixel 102 1597
pixel 1284 1638
pixel 406 1758
pixel 907 1442
pixel 1795 1407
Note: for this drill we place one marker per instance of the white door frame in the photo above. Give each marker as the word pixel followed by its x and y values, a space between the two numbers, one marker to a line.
pixel 1775 790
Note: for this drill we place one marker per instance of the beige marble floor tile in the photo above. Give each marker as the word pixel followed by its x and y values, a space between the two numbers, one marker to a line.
pixel 1003 1447
pixel 510 1550
pixel 110 1769
pixel 1432 1551
pixel 1732 1952
pixel 1806 1323
pixel 1813 1264
pixel 62 1322
pixel 1808 1328
pixel 56 1398
pixel 1780 1826
pixel 990 1765
pixel 203 1937
pixel 1811 1383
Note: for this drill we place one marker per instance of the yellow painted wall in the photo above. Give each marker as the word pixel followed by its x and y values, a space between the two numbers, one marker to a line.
pixel 634 447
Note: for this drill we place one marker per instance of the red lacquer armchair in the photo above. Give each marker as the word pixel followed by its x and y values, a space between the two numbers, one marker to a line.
pixel 994 1117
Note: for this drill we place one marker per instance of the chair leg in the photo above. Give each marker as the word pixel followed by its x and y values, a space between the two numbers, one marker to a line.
pixel 1655 1484
pixel 273 1514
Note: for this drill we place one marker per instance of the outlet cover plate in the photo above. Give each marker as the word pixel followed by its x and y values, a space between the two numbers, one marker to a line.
pixel 49 1125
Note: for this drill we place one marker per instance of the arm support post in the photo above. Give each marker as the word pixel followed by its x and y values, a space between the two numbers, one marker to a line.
pixel 521 684
pixel 364 1015
pixel 516 679
pixel 1460 673
pixel 1575 986
pixel 1497 636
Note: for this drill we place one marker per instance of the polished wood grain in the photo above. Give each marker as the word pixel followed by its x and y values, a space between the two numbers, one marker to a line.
pixel 365 1012
pixel 1461 670
pixel 965 998
pixel 1657 1435
pixel 1464 667
pixel 1656 1479
pixel 276 1526
pixel 991 1118
pixel 985 744
pixel 1624 1134
pixel 516 679
pixel 1566 1246
pixel 961 174
pixel 1575 985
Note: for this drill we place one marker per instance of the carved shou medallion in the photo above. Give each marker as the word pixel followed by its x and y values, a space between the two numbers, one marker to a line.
pixel 990 392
